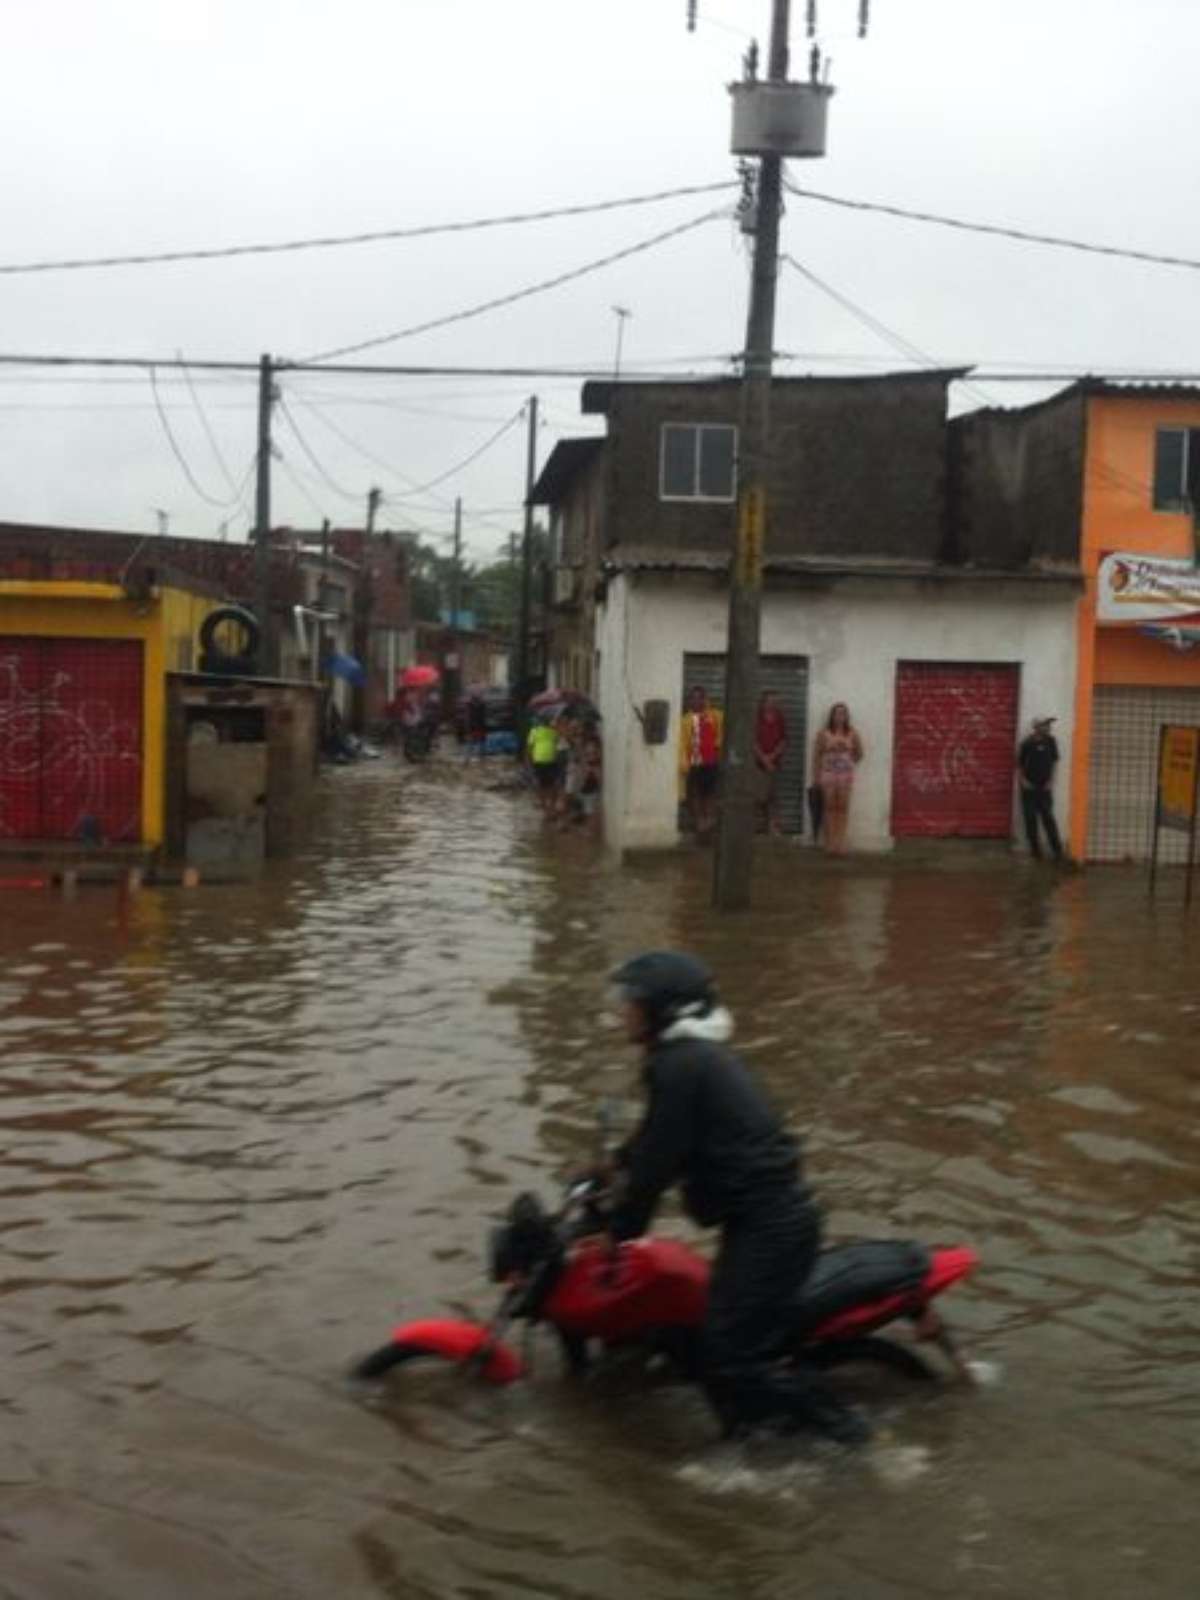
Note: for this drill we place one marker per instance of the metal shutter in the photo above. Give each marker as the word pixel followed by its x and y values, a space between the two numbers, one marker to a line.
pixel 786 676
pixel 1123 765
pixel 71 739
pixel 955 750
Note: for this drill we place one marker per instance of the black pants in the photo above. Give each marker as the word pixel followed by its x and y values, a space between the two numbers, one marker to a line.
pixel 762 1262
pixel 1037 803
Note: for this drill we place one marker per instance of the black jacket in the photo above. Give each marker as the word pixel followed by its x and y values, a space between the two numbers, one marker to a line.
pixel 1037 759
pixel 709 1127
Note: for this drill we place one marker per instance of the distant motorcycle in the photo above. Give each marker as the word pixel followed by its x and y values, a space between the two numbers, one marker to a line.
pixel 650 1294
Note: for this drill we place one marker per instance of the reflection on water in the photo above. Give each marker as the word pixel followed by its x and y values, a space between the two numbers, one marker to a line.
pixel 245 1128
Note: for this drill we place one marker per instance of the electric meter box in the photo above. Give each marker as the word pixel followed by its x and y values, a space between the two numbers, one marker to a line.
pixel 780 119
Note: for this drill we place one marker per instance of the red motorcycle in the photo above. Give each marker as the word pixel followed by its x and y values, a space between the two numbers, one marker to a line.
pixel 651 1293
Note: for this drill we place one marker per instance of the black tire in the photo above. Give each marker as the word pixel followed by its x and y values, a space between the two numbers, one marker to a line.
pixel 381 1361
pixel 881 1352
pixel 213 657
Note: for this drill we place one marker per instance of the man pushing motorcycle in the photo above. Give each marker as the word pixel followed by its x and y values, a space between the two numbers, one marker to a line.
pixel 708 1127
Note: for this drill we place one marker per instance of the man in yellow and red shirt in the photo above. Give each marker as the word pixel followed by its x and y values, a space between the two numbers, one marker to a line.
pixel 700 736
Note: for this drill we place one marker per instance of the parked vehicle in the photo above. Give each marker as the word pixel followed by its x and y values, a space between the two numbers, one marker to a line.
pixel 651 1293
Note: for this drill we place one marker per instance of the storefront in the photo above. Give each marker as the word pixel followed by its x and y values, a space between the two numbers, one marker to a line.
pixel 83 708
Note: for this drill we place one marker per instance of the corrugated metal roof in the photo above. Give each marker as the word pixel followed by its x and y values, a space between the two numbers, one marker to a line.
pixel 568 457
pixel 598 392
pixel 647 559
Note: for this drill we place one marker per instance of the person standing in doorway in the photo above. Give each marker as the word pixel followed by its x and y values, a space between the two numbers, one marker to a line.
pixel 1037 758
pixel 700 735
pixel 770 747
pixel 837 752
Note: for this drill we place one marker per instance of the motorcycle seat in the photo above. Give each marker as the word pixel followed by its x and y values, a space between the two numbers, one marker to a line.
pixel 851 1275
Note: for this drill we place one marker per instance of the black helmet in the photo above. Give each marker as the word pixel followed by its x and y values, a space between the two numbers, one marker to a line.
pixel 666 983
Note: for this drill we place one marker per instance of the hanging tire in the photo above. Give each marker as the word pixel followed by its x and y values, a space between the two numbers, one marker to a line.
pixel 242 662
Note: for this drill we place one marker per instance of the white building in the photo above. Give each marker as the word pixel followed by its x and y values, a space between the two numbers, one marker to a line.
pixel 941 676
pixel 885 587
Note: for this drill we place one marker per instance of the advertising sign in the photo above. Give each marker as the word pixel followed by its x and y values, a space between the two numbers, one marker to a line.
pixel 1178 766
pixel 1147 589
pixel 1178 794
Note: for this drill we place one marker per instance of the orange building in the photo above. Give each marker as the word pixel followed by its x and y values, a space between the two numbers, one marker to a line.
pixel 1104 478
pixel 1141 474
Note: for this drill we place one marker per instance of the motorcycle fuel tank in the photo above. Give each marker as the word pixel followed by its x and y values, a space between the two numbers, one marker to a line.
pixel 614 1294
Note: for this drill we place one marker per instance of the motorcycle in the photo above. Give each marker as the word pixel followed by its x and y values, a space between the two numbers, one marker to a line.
pixel 564 1271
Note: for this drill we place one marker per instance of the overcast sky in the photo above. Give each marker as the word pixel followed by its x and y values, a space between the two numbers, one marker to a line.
pixel 144 125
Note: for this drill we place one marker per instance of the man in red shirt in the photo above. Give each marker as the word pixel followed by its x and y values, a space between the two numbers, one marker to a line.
pixel 770 747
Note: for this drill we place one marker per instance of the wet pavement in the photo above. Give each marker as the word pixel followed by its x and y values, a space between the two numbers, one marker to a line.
pixel 245 1129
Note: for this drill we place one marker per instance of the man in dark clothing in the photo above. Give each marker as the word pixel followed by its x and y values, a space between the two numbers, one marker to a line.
pixel 1036 761
pixel 708 1127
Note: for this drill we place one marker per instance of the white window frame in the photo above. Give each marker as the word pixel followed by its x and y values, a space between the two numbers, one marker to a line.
pixel 1183 505
pixel 691 499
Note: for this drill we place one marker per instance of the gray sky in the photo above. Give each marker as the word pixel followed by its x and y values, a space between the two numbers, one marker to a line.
pixel 142 125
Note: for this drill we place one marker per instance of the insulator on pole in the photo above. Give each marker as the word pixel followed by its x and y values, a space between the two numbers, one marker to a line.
pixel 810 18
pixel 692 10
pixel 864 17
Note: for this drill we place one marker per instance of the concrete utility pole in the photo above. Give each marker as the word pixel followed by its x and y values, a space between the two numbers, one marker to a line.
pixel 521 687
pixel 262 520
pixel 734 861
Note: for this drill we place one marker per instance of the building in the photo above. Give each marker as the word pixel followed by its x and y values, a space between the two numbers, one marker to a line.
pixel 941 636
pixel 83 706
pixel 99 635
pixel 1113 469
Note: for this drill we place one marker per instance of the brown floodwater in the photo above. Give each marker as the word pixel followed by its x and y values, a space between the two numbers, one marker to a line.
pixel 245 1129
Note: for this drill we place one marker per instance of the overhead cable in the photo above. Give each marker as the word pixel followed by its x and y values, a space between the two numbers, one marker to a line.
pixel 880 329
pixel 208 432
pixel 346 494
pixel 212 500
pixel 461 466
pixel 519 294
pixel 376 236
pixel 995 230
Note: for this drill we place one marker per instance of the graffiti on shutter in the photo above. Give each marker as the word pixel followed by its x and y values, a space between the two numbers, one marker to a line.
pixel 71 739
pixel 954 750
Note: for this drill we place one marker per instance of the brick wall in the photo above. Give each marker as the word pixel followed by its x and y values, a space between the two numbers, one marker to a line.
pixel 859 466
pixel 1018 484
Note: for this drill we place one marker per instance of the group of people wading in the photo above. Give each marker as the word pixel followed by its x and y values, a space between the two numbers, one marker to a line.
pixel 837 751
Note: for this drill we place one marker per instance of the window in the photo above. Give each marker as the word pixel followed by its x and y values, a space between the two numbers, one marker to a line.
pixel 1176 468
pixel 697 461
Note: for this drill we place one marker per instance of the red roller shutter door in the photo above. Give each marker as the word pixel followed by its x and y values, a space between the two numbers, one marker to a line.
pixel 955 750
pixel 71 739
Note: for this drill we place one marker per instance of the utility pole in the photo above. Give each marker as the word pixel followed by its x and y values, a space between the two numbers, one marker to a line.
pixel 521 688
pixel 364 607
pixel 262 520
pixel 734 861
pixel 454 654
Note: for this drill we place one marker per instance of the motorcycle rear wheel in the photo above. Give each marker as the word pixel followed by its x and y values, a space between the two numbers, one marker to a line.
pixel 870 1348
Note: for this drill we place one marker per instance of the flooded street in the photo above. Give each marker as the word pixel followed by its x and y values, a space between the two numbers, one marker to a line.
pixel 246 1129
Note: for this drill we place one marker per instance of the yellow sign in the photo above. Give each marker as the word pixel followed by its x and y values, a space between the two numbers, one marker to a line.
pixel 752 520
pixel 1178 769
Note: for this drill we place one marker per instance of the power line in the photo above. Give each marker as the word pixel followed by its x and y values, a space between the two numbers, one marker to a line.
pixel 332 482
pixel 461 466
pixel 208 433
pixel 880 329
pixel 377 236
pixel 221 505
pixel 995 230
pixel 519 294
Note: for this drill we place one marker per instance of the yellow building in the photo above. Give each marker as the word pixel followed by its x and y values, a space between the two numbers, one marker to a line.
pixel 83 707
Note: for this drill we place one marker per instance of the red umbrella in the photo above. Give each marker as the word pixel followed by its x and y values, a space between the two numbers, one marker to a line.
pixel 419 677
